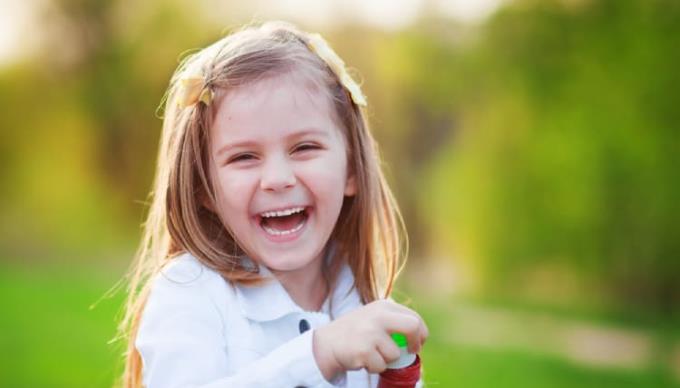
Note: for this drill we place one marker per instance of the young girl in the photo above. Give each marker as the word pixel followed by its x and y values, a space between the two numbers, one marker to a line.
pixel 273 240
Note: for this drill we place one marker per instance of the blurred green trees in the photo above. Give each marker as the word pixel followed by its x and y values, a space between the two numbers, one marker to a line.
pixel 564 156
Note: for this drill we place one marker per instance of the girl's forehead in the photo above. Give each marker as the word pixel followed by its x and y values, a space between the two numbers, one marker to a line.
pixel 271 106
pixel 293 86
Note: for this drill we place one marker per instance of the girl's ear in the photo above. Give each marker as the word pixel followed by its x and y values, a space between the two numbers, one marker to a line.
pixel 351 186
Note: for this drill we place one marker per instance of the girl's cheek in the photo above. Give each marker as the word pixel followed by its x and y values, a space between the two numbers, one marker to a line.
pixel 328 171
pixel 329 163
pixel 233 180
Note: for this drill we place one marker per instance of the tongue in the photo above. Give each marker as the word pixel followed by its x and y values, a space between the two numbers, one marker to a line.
pixel 285 222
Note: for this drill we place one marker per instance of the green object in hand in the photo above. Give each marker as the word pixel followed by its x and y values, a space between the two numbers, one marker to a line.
pixel 400 340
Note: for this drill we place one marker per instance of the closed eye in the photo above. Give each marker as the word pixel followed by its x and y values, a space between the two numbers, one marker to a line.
pixel 306 147
pixel 241 157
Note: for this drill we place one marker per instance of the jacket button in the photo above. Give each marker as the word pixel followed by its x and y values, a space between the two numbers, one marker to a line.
pixel 304 326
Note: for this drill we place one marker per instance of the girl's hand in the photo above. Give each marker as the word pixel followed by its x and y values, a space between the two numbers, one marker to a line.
pixel 361 338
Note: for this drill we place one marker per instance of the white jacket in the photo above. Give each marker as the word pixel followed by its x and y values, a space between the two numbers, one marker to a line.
pixel 198 331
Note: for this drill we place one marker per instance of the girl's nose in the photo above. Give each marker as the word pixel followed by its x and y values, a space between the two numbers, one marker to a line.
pixel 277 175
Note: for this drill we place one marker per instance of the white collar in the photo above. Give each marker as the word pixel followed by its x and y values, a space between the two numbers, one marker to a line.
pixel 271 301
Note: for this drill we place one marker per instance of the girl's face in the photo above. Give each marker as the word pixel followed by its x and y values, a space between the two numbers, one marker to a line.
pixel 281 168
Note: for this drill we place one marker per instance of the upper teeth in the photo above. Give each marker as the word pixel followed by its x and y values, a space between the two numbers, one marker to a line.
pixel 281 213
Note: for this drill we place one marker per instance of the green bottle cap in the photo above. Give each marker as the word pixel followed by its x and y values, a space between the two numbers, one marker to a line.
pixel 400 340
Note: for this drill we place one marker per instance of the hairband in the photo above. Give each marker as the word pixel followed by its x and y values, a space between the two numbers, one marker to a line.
pixel 319 46
pixel 193 89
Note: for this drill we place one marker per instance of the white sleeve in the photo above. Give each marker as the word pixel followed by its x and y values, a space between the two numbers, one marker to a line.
pixel 181 344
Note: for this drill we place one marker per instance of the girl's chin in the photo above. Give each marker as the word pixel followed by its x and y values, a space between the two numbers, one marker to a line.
pixel 283 265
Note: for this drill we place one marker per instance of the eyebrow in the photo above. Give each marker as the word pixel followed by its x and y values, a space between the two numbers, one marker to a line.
pixel 299 133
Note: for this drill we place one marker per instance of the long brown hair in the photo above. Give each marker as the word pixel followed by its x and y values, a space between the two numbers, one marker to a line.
pixel 370 234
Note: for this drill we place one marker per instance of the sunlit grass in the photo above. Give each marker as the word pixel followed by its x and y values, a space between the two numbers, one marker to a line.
pixel 51 337
pixel 450 363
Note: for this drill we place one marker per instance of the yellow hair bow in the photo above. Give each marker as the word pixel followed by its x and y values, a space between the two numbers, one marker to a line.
pixel 192 90
pixel 318 44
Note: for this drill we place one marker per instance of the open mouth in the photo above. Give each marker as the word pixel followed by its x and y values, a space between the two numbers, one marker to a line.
pixel 284 222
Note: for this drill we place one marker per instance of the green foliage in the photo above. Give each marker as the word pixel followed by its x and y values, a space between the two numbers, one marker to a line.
pixel 565 148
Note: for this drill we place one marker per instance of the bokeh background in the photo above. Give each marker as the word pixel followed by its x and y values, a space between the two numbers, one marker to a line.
pixel 533 146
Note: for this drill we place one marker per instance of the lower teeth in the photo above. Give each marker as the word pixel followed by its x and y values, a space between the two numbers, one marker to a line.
pixel 283 232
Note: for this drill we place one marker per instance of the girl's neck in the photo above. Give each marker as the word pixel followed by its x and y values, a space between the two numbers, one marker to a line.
pixel 306 286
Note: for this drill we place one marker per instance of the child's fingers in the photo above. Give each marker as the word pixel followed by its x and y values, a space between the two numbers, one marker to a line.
pixel 388 349
pixel 423 332
pixel 405 324
pixel 375 362
pixel 396 307
pixel 416 344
